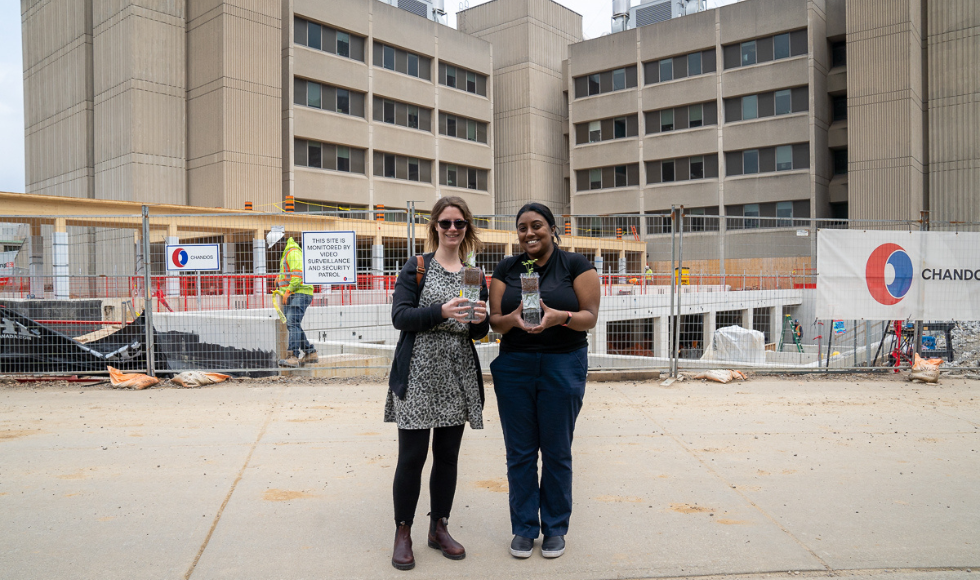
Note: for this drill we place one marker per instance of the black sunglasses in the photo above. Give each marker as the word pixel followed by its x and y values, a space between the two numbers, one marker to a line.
pixel 460 224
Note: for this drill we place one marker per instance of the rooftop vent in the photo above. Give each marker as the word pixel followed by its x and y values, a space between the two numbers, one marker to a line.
pixel 434 10
pixel 651 12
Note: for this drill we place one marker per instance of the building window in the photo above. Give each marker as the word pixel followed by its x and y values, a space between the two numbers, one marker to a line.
pixel 315 158
pixel 389 168
pixel 470 82
pixel 696 224
pixel 389 58
pixel 751 210
pixel 343 44
pixel 784 158
pixel 695 115
pixel 667 120
pixel 838 54
pixel 343 158
pixel 840 161
pixel 750 161
pixel 750 107
pixel 313 36
pixel 470 178
pixel 595 132
pixel 389 112
pixel 619 127
pixel 470 130
pixel 413 169
pixel 450 76
pixel 697 167
pixel 780 46
pixel 748 53
pixel 784 102
pixel 594 84
pixel 595 179
pixel 667 171
pixel 413 117
pixel 451 125
pixel 343 101
pixel 621 180
pixel 840 108
pixel 313 95
pixel 666 69
pixel 413 64
pixel 619 79
pixel 784 210
pixel 693 64
pixel 451 175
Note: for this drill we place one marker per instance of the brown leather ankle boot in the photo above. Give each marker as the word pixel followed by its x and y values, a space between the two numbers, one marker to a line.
pixel 440 539
pixel 402 556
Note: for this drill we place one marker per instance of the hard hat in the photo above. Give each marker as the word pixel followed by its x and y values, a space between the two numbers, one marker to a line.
pixel 274 235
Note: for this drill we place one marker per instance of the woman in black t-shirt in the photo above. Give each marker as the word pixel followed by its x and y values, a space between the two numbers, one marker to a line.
pixel 539 377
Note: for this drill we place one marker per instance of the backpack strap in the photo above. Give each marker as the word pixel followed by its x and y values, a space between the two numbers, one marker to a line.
pixel 419 270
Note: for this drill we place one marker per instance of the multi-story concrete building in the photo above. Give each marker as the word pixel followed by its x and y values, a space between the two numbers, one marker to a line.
pixel 352 103
pixel 530 40
pixel 802 108
pixel 781 108
pixel 383 108
pixel 724 111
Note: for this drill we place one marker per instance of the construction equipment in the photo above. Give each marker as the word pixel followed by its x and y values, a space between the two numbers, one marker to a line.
pixel 794 327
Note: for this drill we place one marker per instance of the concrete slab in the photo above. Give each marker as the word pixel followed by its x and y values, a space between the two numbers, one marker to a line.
pixel 292 479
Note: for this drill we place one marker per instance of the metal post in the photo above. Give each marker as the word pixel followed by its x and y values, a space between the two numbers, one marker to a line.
pixel 671 318
pixel 854 360
pixel 680 280
pixel 148 304
pixel 867 344
pixel 924 227
pixel 411 229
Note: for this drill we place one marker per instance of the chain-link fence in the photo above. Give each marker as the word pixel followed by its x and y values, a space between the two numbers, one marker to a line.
pixel 79 293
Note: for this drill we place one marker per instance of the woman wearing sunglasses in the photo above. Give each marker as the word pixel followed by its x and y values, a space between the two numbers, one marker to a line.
pixel 436 383
pixel 539 377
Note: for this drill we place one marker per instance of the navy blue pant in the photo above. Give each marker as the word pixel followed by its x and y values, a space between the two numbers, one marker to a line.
pixel 539 397
pixel 295 311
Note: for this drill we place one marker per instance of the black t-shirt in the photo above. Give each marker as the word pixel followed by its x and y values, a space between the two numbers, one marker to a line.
pixel 555 284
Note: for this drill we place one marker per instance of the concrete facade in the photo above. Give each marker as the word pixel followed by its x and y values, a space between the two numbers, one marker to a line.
pixel 530 40
pixel 192 103
pixel 711 35
pixel 195 103
pixel 889 117
pixel 378 25
pixel 953 51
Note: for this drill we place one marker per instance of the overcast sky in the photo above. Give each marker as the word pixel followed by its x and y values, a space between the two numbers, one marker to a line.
pixel 595 21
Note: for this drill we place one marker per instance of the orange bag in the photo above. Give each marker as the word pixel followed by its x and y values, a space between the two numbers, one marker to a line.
pixel 130 380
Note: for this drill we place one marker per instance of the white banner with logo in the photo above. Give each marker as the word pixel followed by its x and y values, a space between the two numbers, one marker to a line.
pixel 193 257
pixel 880 275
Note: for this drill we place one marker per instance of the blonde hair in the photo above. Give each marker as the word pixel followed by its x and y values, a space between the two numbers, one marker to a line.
pixel 470 243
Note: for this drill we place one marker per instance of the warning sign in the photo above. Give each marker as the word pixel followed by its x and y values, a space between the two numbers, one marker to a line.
pixel 329 258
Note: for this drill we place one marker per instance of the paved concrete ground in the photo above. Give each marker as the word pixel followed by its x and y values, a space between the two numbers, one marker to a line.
pixel 853 477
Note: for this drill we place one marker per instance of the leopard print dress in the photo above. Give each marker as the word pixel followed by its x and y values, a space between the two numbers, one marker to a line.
pixel 442 384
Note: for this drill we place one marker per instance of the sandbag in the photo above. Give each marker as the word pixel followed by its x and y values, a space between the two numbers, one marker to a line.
pixel 925 370
pixel 721 376
pixel 136 381
pixel 198 378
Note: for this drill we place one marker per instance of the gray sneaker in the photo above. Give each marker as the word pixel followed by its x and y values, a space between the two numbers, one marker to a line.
pixel 553 546
pixel 521 547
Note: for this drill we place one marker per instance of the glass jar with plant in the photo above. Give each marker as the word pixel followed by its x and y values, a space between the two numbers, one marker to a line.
pixel 470 285
pixel 530 295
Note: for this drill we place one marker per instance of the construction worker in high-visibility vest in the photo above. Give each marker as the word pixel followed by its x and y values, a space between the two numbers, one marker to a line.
pixel 296 298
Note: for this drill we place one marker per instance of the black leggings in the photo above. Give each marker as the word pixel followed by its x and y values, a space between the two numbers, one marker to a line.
pixel 413 447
